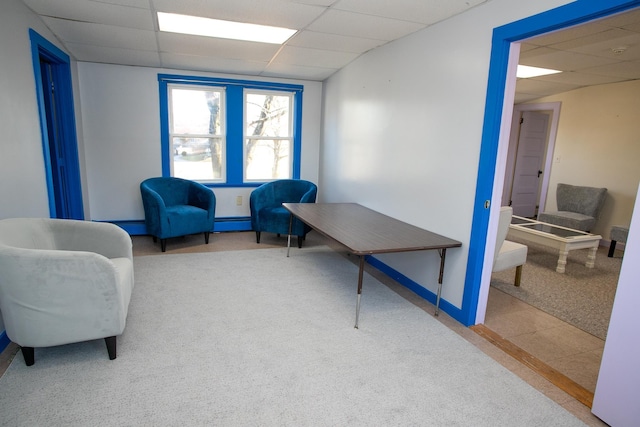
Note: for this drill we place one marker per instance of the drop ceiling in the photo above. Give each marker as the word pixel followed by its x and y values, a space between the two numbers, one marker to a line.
pixel 600 52
pixel 332 33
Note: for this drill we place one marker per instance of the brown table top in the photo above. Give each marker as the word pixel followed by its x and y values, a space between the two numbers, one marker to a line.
pixel 364 231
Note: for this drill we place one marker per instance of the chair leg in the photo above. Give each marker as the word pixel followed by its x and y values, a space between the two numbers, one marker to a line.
pixel 612 248
pixel 299 242
pixel 206 237
pixel 257 237
pixel 163 245
pixel 518 276
pixel 111 347
pixel 29 355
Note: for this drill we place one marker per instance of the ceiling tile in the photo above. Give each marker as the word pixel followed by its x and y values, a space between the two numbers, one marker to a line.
pixel 627 70
pixel 142 4
pixel 93 11
pixel 622 20
pixel 214 47
pixel 211 64
pixel 567 34
pixel 110 55
pixel 102 35
pixel 325 3
pixel 364 26
pixel 559 60
pixel 542 88
pixel 597 42
pixel 313 57
pixel 315 40
pixel 423 11
pixel 298 72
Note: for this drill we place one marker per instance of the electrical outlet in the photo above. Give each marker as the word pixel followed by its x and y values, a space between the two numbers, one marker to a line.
pixel 239 201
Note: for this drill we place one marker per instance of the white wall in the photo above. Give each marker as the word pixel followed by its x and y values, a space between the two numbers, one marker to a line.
pixel 402 132
pixel 597 145
pixel 121 125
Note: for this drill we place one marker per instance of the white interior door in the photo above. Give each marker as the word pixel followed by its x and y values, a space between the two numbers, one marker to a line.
pixel 527 174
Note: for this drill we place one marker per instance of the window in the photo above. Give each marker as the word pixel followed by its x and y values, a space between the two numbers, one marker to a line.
pixel 196 132
pixel 225 132
pixel 268 136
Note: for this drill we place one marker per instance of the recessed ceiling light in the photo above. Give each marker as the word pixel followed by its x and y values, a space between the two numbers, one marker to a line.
pixel 198 26
pixel 525 71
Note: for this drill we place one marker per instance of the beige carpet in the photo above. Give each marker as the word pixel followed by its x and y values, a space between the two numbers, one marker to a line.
pixel 582 297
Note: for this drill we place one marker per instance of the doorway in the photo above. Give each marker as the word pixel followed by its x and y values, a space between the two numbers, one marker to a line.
pixel 57 123
pixel 497 121
pixel 529 158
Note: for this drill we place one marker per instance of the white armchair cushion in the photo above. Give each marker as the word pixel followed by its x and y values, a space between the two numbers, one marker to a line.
pixel 511 255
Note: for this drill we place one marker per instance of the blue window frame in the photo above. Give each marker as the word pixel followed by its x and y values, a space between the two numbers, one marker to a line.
pixel 233 104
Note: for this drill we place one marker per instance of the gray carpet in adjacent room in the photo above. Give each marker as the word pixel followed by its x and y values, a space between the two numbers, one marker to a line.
pixel 582 297
pixel 252 338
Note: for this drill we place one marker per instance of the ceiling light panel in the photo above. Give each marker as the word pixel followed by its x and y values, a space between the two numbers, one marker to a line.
pixel 198 26
pixel 525 72
pixel 276 13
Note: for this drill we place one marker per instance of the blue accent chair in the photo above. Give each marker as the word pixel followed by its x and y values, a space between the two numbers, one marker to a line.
pixel 267 213
pixel 176 207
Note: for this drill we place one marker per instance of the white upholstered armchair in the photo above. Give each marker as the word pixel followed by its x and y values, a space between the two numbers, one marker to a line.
pixel 63 281
pixel 508 254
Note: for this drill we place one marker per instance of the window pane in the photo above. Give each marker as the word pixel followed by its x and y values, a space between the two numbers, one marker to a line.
pixel 195 112
pixel 197 133
pixel 268 115
pixel 198 158
pixel 267 159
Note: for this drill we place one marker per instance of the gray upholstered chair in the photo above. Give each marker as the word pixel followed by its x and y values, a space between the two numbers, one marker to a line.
pixel 63 281
pixel 578 207
pixel 508 254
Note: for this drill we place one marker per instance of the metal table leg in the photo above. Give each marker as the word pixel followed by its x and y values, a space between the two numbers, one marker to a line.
pixel 360 275
pixel 289 235
pixel 442 252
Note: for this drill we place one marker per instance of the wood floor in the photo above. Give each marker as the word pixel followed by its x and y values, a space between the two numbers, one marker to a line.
pixel 553 357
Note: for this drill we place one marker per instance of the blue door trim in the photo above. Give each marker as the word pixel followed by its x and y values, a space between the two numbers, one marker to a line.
pixel 571 14
pixel 41 48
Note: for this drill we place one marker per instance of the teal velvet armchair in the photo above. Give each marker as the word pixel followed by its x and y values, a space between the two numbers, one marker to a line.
pixel 176 207
pixel 267 213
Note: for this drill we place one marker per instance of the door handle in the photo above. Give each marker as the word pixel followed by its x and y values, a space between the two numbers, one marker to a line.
pixel 539 173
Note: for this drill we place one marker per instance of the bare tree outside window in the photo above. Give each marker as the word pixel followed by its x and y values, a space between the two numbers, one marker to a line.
pixel 197 133
pixel 268 136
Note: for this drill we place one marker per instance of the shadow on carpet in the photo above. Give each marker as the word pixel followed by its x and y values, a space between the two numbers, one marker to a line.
pixel 582 297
